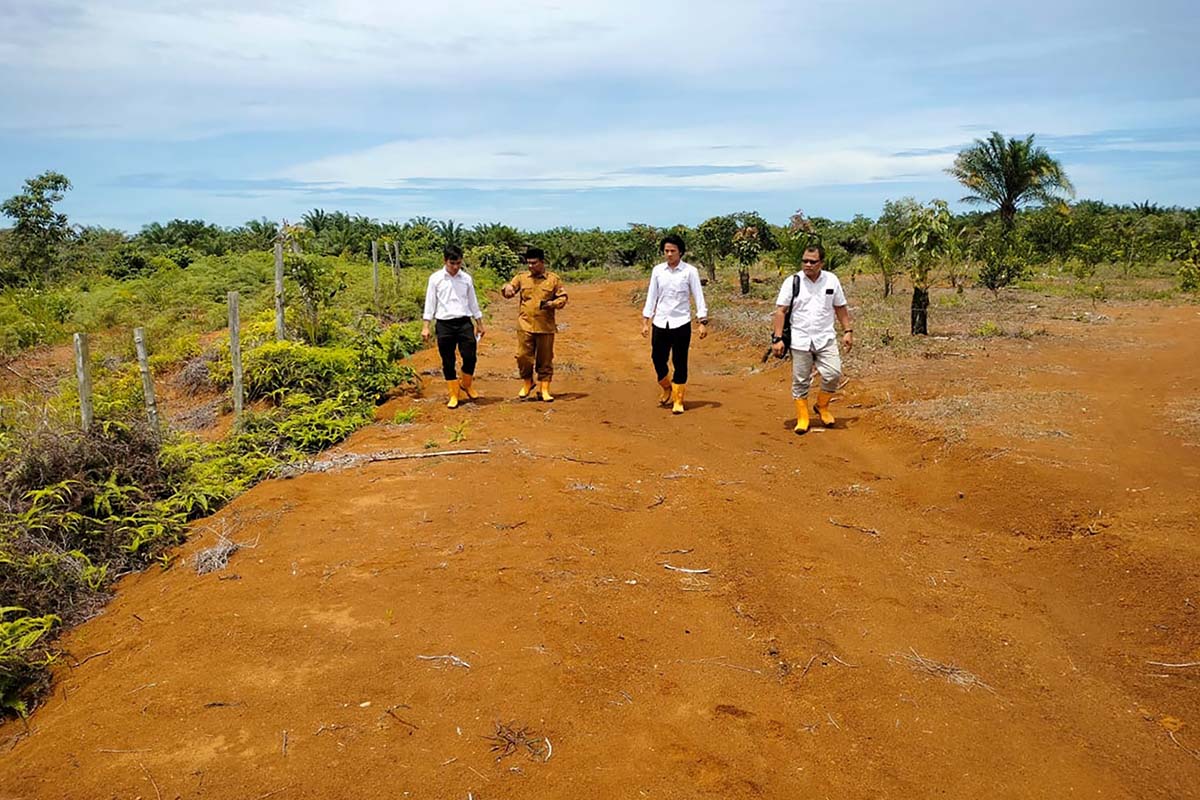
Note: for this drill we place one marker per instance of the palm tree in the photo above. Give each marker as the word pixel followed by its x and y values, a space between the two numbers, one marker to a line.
pixel 451 232
pixel 1008 174
pixel 315 220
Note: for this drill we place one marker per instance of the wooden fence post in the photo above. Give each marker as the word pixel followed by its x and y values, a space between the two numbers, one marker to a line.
pixel 83 373
pixel 139 341
pixel 375 271
pixel 280 330
pixel 235 353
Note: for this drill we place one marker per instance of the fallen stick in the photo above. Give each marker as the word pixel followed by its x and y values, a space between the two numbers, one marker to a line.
pixel 348 460
pixel 1175 666
pixel 89 658
pixel 448 658
pixel 1181 746
pixel 704 571
pixel 157 793
pixel 867 531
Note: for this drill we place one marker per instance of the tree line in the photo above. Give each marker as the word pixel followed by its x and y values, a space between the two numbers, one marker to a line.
pixel 1027 219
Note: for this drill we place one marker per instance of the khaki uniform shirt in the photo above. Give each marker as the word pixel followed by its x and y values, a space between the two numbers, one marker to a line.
pixel 532 318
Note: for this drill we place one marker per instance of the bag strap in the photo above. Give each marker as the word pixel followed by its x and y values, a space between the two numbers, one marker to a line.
pixel 795 291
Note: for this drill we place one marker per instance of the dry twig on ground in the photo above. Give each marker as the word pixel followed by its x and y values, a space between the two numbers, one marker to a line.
pixel 216 558
pixel 867 531
pixel 347 460
pixel 704 571
pixel 954 674
pixel 447 660
pixel 509 739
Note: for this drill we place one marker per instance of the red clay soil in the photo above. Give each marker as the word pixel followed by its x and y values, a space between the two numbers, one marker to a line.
pixel 958 592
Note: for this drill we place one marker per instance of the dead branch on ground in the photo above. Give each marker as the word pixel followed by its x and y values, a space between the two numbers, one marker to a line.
pixel 867 531
pixel 348 460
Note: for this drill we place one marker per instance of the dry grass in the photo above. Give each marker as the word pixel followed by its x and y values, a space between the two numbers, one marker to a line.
pixel 951 673
pixel 1185 413
pixel 953 416
pixel 215 558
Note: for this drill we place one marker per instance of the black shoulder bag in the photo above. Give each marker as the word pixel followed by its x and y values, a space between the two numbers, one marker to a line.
pixel 787 323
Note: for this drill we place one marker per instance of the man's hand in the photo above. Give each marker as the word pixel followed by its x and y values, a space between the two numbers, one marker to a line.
pixel 425 331
pixel 703 329
pixel 848 340
pixel 645 327
pixel 777 349
pixel 507 290
pixel 479 331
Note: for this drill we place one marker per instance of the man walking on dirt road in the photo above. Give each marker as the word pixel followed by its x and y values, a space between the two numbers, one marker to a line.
pixel 674 285
pixel 542 293
pixel 810 300
pixel 451 303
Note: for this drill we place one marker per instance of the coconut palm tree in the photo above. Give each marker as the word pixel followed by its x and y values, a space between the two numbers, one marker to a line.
pixel 1008 174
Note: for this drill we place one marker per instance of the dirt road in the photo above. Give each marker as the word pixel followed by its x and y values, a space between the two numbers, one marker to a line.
pixel 956 593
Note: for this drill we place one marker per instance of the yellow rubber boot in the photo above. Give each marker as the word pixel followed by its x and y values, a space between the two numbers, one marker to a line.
pixel 677 390
pixel 544 390
pixel 822 408
pixel 452 390
pixel 801 416
pixel 668 394
pixel 526 388
pixel 465 383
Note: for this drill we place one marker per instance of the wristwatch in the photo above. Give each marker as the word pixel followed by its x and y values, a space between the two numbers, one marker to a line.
pixel 775 338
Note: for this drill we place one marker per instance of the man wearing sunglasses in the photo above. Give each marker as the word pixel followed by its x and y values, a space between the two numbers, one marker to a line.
pixel 814 298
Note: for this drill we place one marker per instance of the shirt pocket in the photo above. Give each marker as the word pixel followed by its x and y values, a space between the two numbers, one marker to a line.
pixel 677 292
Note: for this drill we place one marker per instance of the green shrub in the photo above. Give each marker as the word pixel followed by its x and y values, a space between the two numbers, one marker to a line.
pixel 23 658
pixel 498 258
pixel 127 261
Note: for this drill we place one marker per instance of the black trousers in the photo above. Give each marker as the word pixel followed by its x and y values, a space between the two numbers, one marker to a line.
pixel 460 333
pixel 671 343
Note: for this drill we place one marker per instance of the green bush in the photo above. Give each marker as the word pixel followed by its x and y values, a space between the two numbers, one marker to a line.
pixel 498 258
pixel 23 658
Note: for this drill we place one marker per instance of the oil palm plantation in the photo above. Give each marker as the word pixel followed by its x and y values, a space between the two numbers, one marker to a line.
pixel 1010 173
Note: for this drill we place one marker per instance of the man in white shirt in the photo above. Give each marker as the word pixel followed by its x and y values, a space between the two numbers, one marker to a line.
pixel 674 285
pixel 814 298
pixel 450 300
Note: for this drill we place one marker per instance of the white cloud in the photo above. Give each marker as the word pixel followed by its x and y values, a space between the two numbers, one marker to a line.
pixel 618 158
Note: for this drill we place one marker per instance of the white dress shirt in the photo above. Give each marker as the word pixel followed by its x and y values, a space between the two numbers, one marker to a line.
pixel 672 290
pixel 451 296
pixel 812 314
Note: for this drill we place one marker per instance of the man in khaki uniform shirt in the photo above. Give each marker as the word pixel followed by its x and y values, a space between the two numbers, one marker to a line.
pixel 542 293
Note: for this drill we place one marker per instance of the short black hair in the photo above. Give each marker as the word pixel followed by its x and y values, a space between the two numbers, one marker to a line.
pixel 675 239
pixel 820 248
pixel 452 252
pixel 535 252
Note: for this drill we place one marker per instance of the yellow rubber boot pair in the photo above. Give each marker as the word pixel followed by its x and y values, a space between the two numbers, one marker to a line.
pixel 544 391
pixel 452 389
pixel 822 408
pixel 801 416
pixel 465 384
pixel 667 394
pixel 526 388
pixel 677 390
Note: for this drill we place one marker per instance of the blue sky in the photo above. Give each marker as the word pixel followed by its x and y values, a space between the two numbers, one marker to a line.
pixel 582 113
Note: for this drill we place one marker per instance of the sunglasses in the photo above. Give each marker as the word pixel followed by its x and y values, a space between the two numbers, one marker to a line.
pixel 810 261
